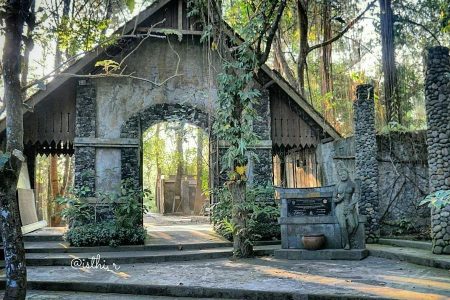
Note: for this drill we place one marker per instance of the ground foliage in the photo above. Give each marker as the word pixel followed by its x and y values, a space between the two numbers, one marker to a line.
pixel 105 233
pixel 263 214
pixel 120 213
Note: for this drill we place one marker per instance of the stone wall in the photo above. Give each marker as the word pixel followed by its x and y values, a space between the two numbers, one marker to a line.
pixel 402 181
pixel 437 96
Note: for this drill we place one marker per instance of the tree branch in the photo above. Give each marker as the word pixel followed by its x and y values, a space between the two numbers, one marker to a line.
pixel 271 33
pixel 406 20
pixel 343 31
pixel 131 76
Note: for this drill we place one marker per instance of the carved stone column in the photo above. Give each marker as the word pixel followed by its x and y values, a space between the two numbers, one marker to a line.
pixel 366 163
pixel 437 96
pixel 85 127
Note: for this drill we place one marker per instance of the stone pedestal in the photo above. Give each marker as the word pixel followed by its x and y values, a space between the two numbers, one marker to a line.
pixel 315 215
pixel 324 254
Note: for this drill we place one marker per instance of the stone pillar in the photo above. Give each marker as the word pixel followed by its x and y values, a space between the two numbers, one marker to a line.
pixel 85 127
pixel 437 96
pixel 366 163
pixel 261 171
pixel 131 156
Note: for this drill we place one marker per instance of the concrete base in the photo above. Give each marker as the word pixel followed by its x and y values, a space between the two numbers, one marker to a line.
pixel 325 254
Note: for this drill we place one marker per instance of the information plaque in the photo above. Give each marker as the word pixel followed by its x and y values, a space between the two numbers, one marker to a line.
pixel 309 207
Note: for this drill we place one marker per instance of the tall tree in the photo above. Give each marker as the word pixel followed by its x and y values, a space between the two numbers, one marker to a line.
pixel 29 45
pixel 179 136
pixel 198 188
pixel 393 110
pixel 327 81
pixel 158 164
pixel 53 206
pixel 325 63
pixel 237 95
pixel 305 49
pixel 16 13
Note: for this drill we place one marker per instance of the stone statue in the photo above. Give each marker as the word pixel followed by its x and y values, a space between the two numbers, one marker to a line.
pixel 345 199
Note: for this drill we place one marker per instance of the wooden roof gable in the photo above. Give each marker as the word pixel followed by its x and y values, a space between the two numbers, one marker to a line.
pixel 176 20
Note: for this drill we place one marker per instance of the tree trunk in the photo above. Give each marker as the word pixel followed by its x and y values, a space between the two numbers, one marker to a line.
pixel 179 176
pixel 158 170
pixel 66 176
pixel 280 60
pixel 55 209
pixel 241 238
pixel 325 63
pixel 64 19
pixel 327 83
pixel 29 45
pixel 302 10
pixel 388 60
pixel 54 184
pixel 14 18
pixel 198 188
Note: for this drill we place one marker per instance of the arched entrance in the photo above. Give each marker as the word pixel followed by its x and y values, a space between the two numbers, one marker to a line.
pixel 176 169
pixel 132 160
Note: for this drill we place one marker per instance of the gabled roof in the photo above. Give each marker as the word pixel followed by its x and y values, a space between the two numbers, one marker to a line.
pixel 86 63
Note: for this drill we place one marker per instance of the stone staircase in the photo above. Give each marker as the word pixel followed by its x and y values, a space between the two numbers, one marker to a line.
pixel 52 250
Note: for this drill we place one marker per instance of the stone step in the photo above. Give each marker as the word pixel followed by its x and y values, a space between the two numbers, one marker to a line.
pixel 64 247
pixel 132 257
pixel 123 290
pixel 406 243
pixel 411 255
pixel 43 238
pixel 75 295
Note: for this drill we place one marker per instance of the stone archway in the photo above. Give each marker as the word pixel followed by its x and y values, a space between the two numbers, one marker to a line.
pixel 133 128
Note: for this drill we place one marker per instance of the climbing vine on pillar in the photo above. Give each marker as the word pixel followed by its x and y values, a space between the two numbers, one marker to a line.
pixel 237 93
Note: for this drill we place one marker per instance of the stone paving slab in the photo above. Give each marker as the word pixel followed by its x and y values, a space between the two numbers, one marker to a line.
pixel 49 295
pixel 412 255
pixel 424 245
pixel 372 277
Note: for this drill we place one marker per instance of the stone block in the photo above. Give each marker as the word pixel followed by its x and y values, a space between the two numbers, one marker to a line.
pixel 324 254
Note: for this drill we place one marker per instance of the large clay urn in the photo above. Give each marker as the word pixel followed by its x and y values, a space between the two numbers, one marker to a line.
pixel 313 241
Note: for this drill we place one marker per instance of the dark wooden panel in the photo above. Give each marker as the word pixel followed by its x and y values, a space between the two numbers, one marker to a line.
pixel 166 17
pixel 290 125
pixel 52 120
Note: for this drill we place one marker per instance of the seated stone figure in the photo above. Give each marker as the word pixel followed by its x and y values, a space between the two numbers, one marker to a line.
pixel 345 199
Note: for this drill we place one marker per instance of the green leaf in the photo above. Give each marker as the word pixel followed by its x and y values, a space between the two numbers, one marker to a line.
pixel 168 32
pixel 130 5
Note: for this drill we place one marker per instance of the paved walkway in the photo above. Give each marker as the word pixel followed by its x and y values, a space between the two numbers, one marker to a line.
pixel 42 295
pixel 372 277
pixel 162 230
pixel 179 229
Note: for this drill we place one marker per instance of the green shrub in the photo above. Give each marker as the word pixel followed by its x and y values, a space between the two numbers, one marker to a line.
pixel 114 219
pixel 105 233
pixel 262 209
pixel 77 210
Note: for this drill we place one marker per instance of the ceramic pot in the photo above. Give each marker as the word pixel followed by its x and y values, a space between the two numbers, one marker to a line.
pixel 313 241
